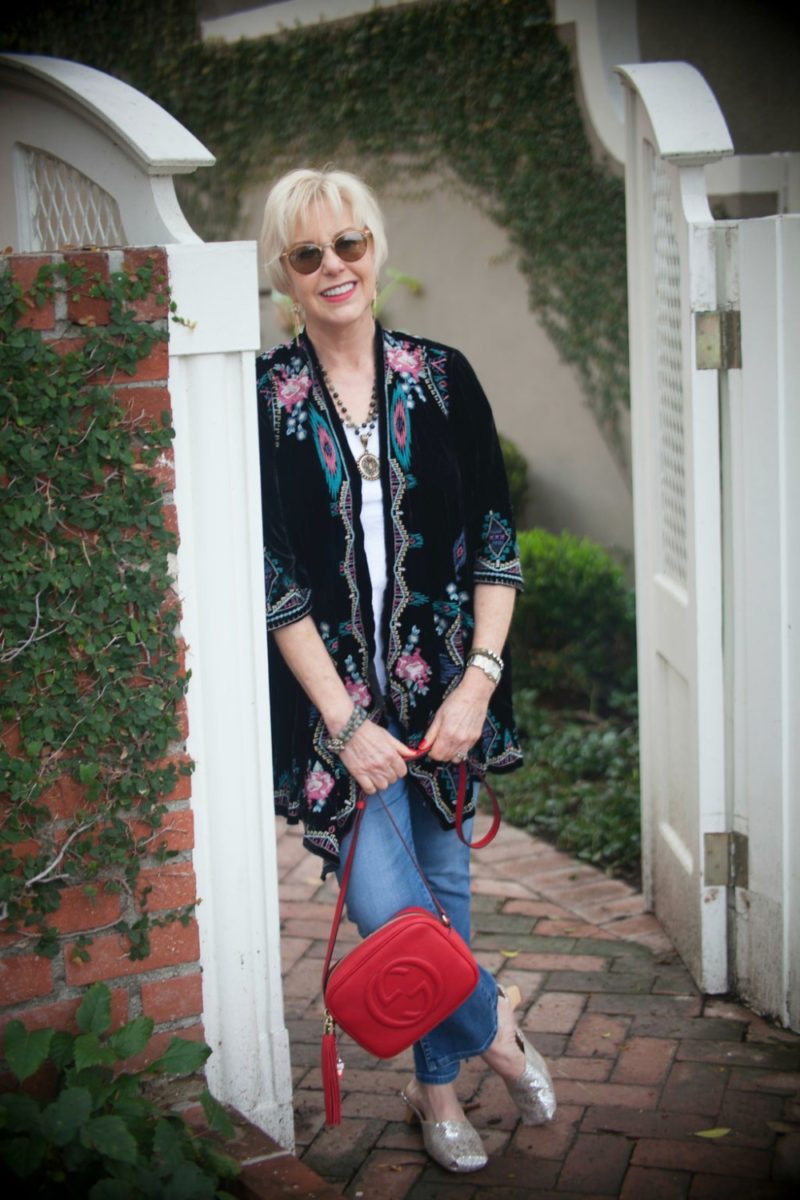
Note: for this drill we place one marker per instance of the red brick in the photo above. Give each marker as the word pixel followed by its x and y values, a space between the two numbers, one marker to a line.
pixel 655 1185
pixel 163 470
pixel 24 977
pixel 176 943
pixel 596 1069
pixel 151 308
pixel 159 1042
pixel 183 785
pixel 82 308
pixel 25 269
pixel 176 831
pixel 644 1060
pixel 64 797
pixel 599 1035
pixel 695 1088
pixel 727 1187
pixel 61 1014
pixel 155 366
pixel 572 927
pixel 552 1140
pixel 144 404
pixel 555 1012
pixel 534 908
pixel 285 1176
pixel 560 962
pixel 597 1162
pixel 712 1158
pixel 11 738
pixel 78 912
pixel 171 886
pixel 612 1095
pixel 170 515
pixel 172 999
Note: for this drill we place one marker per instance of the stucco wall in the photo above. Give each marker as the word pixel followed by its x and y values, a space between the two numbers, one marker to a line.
pixel 475 298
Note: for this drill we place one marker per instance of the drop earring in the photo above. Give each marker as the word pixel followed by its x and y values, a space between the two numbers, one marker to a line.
pixel 297 320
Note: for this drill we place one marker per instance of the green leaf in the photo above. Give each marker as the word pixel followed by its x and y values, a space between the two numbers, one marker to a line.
pixel 182 1057
pixel 132 1038
pixel 25 1052
pixel 110 1189
pixel 90 1052
pixel 62 1119
pixel 189 1183
pixel 94 1012
pixel 718 1132
pixel 62 1048
pixel 19 1113
pixel 23 1155
pixel 111 1138
pixel 168 1144
pixel 216 1116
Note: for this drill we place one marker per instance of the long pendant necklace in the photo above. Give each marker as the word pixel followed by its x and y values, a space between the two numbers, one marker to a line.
pixel 367 462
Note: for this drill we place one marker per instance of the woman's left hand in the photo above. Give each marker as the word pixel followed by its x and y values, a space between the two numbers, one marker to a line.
pixel 459 721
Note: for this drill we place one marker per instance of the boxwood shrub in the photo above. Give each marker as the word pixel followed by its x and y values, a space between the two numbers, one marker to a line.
pixel 573 636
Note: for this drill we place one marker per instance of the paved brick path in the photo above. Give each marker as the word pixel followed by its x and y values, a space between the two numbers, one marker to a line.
pixel 642 1062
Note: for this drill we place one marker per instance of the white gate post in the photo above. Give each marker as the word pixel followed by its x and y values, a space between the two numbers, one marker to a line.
pixel 674 127
pixel 220 569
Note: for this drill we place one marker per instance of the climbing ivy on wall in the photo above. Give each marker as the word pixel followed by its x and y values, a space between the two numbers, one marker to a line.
pixel 90 685
pixel 479 92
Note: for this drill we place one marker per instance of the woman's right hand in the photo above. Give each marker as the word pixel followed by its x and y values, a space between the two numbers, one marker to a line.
pixel 375 758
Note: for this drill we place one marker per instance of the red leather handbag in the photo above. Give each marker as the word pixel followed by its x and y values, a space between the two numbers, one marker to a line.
pixel 399 982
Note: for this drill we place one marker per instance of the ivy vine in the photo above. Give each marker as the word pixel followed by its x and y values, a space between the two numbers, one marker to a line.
pixel 90 687
pixel 479 92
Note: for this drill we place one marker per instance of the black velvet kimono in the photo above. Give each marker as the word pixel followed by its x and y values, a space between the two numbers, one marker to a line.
pixel 448 526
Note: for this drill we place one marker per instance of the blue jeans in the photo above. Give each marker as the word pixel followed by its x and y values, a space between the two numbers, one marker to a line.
pixel 384 880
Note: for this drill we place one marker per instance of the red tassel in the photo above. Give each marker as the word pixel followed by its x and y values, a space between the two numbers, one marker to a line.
pixel 330 1076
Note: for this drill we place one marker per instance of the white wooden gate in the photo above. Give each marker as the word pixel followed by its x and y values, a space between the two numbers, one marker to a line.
pixel 85 159
pixel 761 490
pixel 716 442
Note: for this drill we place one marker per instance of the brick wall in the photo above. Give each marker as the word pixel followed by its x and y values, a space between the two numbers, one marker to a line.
pixel 167 984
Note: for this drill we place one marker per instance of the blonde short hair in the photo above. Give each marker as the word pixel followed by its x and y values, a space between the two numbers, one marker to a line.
pixel 289 202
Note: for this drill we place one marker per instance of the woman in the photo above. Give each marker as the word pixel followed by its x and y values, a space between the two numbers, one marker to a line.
pixel 391 573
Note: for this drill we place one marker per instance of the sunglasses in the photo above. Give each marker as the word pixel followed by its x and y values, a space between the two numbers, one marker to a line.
pixel 306 257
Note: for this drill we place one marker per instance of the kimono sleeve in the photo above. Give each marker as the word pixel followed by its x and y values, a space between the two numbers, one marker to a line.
pixel 288 595
pixel 491 530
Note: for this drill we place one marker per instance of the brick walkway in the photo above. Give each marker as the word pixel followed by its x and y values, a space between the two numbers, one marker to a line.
pixel 643 1063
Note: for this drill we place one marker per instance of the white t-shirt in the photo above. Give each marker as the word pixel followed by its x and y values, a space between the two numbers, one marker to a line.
pixel 372 525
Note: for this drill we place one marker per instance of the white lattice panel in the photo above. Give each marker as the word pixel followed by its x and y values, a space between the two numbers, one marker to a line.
pixel 669 376
pixel 67 208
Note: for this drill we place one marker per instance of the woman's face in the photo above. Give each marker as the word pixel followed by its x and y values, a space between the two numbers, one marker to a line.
pixel 339 294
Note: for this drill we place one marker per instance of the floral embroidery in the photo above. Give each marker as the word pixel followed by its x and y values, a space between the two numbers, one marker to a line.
pixel 318 785
pixel 405 361
pixel 412 668
pixel 291 389
pixel 357 689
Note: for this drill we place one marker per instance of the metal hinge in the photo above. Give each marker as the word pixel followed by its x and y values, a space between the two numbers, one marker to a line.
pixel 725 860
pixel 718 339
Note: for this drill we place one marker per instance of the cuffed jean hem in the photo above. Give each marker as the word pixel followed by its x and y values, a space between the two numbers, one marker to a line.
pixel 429 1068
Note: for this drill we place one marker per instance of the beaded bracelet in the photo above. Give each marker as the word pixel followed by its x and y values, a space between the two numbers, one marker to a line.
pixel 356 719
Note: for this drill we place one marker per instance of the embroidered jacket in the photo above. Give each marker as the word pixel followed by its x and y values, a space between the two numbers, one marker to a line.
pixel 448 526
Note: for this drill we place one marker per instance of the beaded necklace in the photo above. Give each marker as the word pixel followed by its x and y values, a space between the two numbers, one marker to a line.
pixel 367 463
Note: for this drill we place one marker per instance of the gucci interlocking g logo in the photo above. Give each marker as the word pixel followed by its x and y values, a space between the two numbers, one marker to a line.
pixel 403 992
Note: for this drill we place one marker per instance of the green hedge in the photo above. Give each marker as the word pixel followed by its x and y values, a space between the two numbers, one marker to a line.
pixel 574 633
